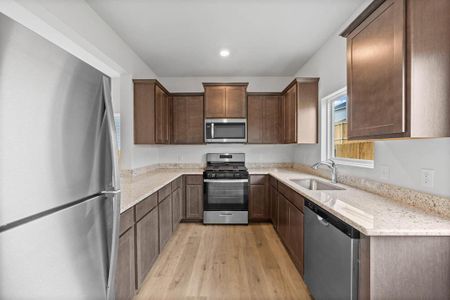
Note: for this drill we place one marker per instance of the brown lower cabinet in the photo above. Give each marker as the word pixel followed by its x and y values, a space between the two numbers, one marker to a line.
pixel 273 202
pixel 259 206
pixel 177 208
pixel 147 227
pixel 125 275
pixel 194 197
pixel 290 223
pixel 147 244
pixel 165 221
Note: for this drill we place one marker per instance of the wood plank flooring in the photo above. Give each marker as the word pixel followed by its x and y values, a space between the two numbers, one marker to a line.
pixel 223 262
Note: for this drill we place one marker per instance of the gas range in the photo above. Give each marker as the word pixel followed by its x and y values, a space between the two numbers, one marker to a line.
pixel 225 189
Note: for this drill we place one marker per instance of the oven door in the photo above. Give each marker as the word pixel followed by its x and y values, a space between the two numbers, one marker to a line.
pixel 226 131
pixel 226 194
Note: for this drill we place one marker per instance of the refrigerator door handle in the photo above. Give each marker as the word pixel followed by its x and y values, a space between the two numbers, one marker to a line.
pixel 115 193
pixel 112 133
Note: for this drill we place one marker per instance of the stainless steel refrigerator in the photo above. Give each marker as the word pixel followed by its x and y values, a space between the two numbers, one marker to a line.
pixel 59 183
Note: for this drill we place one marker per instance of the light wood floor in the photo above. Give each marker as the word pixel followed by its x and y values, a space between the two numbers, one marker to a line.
pixel 223 262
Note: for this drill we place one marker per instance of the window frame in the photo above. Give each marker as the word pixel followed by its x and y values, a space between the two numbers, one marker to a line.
pixel 327 133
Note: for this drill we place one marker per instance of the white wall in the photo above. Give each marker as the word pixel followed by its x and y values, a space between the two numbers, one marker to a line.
pixel 254 153
pixel 405 159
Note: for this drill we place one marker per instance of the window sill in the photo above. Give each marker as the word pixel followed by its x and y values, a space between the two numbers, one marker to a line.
pixel 368 164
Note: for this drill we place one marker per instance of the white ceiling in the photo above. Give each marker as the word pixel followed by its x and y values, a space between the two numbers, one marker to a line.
pixel 179 38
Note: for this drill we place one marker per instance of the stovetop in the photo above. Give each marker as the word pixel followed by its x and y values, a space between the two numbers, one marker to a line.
pixel 226 171
pixel 226 168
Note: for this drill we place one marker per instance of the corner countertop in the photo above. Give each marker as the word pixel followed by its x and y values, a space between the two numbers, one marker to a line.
pixel 371 214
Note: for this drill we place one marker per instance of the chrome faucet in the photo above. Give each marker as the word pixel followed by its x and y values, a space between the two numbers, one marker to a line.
pixel 330 164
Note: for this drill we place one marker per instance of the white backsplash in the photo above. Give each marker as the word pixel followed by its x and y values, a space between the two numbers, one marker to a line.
pixel 188 154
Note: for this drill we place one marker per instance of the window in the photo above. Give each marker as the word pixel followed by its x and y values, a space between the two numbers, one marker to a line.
pixel 335 142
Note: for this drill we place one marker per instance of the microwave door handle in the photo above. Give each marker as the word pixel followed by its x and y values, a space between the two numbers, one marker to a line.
pixel 212 130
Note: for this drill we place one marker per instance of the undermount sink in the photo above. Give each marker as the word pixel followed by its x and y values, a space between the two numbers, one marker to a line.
pixel 315 185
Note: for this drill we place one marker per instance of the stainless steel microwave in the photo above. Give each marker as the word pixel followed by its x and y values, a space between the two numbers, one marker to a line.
pixel 225 130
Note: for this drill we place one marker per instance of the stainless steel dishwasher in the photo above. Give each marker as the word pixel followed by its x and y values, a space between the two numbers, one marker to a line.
pixel 331 255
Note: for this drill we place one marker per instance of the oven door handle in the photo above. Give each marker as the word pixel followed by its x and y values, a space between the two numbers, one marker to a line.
pixel 225 180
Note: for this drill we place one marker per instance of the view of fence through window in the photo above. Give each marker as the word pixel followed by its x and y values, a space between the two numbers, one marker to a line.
pixel 342 147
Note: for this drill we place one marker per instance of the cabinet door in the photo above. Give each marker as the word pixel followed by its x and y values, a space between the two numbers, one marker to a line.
pixel 195 120
pixel 177 207
pixel 271 120
pixel 290 115
pixel 307 112
pixel 165 221
pixel 161 116
pixel 236 106
pixel 375 73
pixel 125 280
pixel 295 239
pixel 144 113
pixel 274 206
pixel 147 244
pixel 283 218
pixel 215 102
pixel 187 119
pixel 255 119
pixel 258 203
pixel 194 202
pixel 180 120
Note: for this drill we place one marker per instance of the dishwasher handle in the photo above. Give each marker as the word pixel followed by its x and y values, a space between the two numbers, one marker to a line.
pixel 322 221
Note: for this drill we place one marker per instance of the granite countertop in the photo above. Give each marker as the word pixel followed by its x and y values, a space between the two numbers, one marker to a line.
pixel 371 214
pixel 137 188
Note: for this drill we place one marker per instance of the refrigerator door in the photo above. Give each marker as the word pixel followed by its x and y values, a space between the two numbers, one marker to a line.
pixel 64 255
pixel 55 147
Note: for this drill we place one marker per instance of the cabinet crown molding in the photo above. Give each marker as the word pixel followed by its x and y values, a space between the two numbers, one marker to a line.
pixel 205 84
pixel 361 17
pixel 152 81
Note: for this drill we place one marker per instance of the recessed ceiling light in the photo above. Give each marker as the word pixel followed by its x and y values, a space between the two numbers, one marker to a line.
pixel 224 52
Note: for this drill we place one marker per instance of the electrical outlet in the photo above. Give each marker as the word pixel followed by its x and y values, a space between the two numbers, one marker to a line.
pixel 385 172
pixel 427 178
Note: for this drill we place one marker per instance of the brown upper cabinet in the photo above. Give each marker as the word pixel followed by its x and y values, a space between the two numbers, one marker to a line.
pixel 187 119
pixel 264 118
pixel 300 101
pixel 397 70
pixel 151 112
pixel 225 100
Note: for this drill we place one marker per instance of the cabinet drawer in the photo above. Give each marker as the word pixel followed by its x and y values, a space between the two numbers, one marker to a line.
pixel 164 192
pixel 177 183
pixel 258 179
pixel 291 195
pixel 194 179
pixel 146 205
pixel 126 220
pixel 273 182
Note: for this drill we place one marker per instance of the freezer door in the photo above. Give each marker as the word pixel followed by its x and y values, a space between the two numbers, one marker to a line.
pixel 65 255
pixel 54 141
